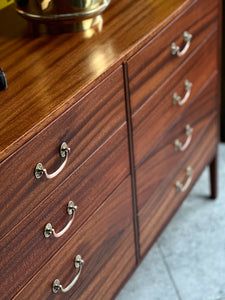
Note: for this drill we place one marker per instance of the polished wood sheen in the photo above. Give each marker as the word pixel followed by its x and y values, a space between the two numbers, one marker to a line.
pixel 87 187
pixel 164 159
pixel 106 92
pixel 46 75
pixel 84 127
pixel 163 204
pixel 148 123
pixel 153 65
pixel 105 242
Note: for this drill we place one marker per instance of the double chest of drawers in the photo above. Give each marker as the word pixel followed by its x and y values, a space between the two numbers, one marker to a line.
pixel 103 134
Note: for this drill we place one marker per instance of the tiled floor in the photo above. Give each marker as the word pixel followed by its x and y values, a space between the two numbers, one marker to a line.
pixel 188 260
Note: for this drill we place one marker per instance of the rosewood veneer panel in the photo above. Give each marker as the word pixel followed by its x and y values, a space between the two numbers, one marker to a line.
pixel 84 127
pixel 162 205
pixel 46 75
pixel 164 159
pixel 106 244
pixel 153 65
pixel 159 113
pixel 77 88
pixel 87 187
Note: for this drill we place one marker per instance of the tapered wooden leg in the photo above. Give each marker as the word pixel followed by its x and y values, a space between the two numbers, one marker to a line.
pixel 213 177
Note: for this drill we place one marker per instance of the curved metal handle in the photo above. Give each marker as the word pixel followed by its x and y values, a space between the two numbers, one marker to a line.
pixel 48 230
pixel 180 187
pixel 178 146
pixel 177 99
pixel 39 169
pixel 57 285
pixel 175 50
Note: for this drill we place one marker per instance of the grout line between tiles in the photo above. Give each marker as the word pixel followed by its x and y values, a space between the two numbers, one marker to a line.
pixel 169 272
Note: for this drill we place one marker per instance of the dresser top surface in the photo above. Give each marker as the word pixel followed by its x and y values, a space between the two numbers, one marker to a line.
pixel 47 74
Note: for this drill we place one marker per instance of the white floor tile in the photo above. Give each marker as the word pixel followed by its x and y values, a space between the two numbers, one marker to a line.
pixel 150 281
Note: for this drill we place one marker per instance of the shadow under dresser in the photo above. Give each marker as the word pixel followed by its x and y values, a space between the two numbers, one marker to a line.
pixel 102 136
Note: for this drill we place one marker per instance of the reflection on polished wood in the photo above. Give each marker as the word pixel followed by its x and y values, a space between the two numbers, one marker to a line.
pixel 46 75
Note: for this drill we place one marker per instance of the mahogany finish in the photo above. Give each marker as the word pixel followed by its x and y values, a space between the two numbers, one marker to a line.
pixel 154 63
pixel 105 242
pixel 164 159
pixel 87 187
pixel 163 204
pixel 148 123
pixel 84 127
pixel 50 73
pixel 108 94
pixel 154 76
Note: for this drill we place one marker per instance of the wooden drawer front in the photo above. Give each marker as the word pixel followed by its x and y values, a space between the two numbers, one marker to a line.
pixel 152 172
pixel 106 244
pixel 160 207
pixel 159 113
pixel 154 64
pixel 87 187
pixel 84 127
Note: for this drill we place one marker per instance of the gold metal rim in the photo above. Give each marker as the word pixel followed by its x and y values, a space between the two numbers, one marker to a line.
pixel 82 15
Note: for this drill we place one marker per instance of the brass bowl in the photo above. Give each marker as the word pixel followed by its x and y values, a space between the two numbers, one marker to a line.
pixel 59 11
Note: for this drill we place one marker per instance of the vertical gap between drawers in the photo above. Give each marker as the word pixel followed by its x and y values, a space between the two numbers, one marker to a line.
pixel 131 158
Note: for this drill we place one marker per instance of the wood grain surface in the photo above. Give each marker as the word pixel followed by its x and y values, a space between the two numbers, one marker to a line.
pixel 164 159
pixel 114 154
pixel 159 113
pixel 163 204
pixel 48 74
pixel 87 187
pixel 84 127
pixel 153 64
pixel 105 242
pixel 77 87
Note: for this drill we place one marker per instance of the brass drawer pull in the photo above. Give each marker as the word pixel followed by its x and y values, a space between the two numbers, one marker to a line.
pixel 177 99
pixel 71 209
pixel 175 50
pixel 178 146
pixel 39 169
pixel 57 285
pixel 180 187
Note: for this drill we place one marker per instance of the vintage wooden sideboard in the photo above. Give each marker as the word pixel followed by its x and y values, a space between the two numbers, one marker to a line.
pixel 102 135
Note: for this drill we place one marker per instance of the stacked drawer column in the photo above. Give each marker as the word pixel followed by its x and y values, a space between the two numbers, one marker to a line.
pixel 173 91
